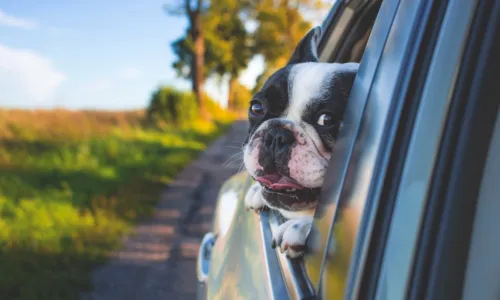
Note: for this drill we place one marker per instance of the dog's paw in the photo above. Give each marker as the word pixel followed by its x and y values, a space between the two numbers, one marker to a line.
pixel 253 199
pixel 291 236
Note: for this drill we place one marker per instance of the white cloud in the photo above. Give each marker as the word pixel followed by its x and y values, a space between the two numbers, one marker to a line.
pixel 129 73
pixel 11 21
pixel 27 76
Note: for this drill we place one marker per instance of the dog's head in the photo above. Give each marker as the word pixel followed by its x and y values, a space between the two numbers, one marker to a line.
pixel 294 120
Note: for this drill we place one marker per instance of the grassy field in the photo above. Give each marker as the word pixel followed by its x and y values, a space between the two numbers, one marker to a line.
pixel 71 184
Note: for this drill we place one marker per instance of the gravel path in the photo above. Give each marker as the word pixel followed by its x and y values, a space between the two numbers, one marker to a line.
pixel 158 261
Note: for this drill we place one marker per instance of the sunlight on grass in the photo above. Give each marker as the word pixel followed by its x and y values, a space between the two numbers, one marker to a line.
pixel 68 192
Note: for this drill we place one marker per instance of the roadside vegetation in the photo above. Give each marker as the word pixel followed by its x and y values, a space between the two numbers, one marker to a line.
pixel 72 183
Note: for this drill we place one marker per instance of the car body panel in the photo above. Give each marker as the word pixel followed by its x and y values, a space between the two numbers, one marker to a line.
pixel 236 264
pixel 243 265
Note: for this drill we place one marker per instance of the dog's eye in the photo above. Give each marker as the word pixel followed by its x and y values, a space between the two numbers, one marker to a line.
pixel 325 120
pixel 257 109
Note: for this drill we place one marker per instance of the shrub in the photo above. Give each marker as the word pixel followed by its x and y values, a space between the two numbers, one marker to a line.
pixel 172 106
pixel 169 106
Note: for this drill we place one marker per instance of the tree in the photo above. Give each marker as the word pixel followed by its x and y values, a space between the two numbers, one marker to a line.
pixel 183 49
pixel 192 50
pixel 227 44
pixel 281 25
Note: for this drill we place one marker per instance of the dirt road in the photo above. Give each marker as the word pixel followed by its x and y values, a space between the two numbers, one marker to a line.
pixel 158 261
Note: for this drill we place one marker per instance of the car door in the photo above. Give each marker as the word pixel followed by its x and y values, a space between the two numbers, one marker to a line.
pixel 404 221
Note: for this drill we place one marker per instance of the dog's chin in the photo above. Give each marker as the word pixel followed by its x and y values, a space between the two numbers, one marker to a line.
pixel 298 200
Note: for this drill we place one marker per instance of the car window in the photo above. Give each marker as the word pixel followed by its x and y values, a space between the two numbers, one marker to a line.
pixel 346 36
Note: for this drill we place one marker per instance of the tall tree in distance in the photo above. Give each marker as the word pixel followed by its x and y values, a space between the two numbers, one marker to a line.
pixel 229 48
pixel 227 44
pixel 192 49
pixel 281 25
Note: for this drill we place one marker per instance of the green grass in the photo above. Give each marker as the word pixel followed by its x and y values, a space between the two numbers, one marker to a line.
pixel 66 200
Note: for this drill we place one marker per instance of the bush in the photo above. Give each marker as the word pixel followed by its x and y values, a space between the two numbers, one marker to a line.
pixel 169 106
pixel 172 106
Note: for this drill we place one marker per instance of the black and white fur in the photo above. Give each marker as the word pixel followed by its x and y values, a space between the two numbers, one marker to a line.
pixel 294 120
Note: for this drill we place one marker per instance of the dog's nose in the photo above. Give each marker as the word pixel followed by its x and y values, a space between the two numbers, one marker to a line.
pixel 278 139
pixel 275 149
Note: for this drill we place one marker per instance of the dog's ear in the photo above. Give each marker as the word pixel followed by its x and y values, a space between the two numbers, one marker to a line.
pixel 307 49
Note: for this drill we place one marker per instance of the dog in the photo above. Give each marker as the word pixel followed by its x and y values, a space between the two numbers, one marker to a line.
pixel 294 121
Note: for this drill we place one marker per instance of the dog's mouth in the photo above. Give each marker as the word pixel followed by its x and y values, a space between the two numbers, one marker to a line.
pixel 286 193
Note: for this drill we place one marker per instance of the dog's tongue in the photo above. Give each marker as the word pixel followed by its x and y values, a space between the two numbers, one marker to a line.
pixel 278 182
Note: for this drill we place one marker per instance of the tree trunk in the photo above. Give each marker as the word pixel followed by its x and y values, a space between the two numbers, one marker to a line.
pixel 233 80
pixel 198 62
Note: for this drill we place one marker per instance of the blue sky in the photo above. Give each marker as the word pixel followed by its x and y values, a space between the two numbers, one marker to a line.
pixel 90 54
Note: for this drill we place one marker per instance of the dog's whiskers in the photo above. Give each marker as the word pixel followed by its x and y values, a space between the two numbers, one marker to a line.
pixel 229 163
pixel 229 146
pixel 241 167
pixel 233 158
pixel 232 161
